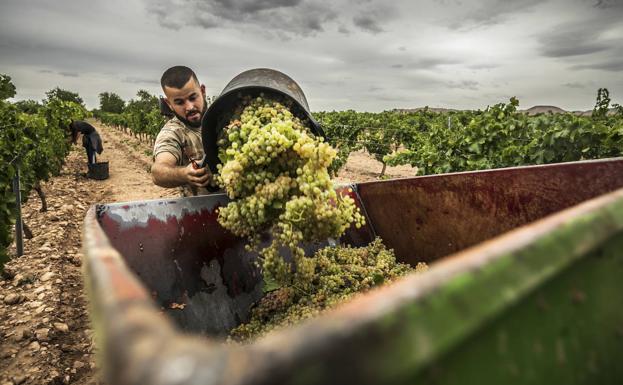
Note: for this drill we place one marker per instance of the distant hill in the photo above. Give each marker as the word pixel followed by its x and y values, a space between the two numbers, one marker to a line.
pixel 587 112
pixel 431 109
pixel 544 110
pixel 530 111
pixel 556 110
pixel 535 110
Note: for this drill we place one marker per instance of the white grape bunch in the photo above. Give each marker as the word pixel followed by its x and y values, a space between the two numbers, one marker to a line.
pixel 274 170
pixel 339 274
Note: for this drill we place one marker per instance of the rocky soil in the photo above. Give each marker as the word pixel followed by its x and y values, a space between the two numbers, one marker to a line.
pixel 44 326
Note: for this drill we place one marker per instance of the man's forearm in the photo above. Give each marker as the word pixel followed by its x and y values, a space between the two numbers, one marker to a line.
pixel 167 176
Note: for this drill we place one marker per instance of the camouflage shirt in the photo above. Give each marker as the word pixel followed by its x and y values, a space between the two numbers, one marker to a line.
pixel 184 142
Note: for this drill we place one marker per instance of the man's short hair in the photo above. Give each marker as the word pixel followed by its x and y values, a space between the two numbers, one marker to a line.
pixel 177 77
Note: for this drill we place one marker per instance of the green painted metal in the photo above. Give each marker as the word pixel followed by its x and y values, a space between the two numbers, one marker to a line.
pixel 567 331
pixel 549 312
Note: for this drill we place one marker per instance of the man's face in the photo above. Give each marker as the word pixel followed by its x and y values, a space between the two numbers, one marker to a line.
pixel 188 103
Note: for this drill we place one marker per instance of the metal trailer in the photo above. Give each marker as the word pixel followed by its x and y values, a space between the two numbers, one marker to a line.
pixel 525 287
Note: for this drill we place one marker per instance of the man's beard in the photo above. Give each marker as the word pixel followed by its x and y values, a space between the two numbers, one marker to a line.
pixel 196 124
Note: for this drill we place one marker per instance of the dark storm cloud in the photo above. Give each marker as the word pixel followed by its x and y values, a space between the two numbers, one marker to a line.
pixel 563 46
pixel 290 17
pixel 59 51
pixel 342 29
pixel 371 17
pixel 67 58
pixel 588 34
pixel 605 4
pixel 590 43
pixel 252 6
pixel 84 49
pixel 616 65
pixel 572 40
pixel 367 23
pixel 490 12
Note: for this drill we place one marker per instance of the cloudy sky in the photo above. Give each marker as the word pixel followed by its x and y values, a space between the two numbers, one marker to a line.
pixel 368 55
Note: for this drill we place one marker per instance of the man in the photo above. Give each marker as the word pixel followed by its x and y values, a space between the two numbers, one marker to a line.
pixel 91 140
pixel 178 149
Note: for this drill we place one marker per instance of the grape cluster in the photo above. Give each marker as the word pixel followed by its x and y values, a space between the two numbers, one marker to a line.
pixel 275 172
pixel 339 273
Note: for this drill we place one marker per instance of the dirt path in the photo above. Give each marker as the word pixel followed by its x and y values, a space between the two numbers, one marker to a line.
pixel 361 167
pixel 45 335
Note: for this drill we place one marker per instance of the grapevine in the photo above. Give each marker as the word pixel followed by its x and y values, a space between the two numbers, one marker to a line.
pixel 35 142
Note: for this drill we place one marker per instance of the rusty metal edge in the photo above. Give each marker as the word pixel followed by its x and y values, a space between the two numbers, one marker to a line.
pixel 497 170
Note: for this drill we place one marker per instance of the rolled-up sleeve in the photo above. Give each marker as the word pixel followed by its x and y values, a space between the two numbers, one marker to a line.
pixel 168 140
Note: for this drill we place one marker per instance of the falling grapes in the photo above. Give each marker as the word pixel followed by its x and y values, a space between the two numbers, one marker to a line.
pixel 275 172
pixel 339 274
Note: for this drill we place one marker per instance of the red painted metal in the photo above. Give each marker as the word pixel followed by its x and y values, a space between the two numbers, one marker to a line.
pixel 425 218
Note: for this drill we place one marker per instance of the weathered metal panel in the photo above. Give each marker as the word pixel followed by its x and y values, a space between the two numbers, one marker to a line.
pixel 425 218
pixel 539 304
pixel 199 273
pixel 137 343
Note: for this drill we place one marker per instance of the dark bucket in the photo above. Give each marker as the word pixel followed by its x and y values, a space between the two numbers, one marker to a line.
pixel 251 82
pixel 98 171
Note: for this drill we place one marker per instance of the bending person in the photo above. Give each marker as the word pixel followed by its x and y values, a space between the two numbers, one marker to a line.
pixel 91 140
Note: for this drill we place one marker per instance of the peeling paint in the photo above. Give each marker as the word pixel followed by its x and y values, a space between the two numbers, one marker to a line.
pixel 139 214
pixel 534 305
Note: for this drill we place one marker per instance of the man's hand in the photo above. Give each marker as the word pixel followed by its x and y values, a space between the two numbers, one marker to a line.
pixel 199 177
pixel 166 173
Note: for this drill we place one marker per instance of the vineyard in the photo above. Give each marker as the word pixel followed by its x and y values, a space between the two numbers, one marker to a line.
pixel 498 136
pixel 434 142
pixel 34 140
